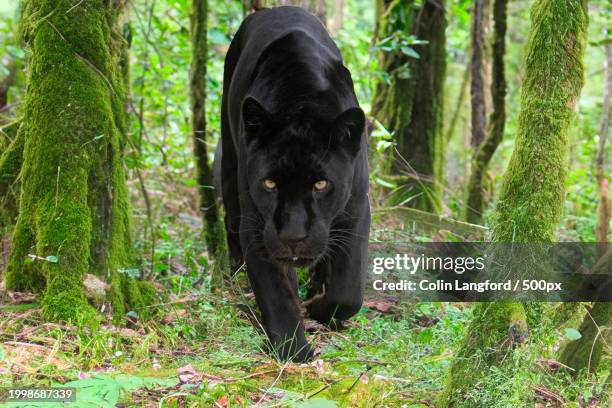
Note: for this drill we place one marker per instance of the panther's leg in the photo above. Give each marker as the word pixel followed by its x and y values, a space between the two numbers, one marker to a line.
pixel 341 294
pixel 317 279
pixel 231 201
pixel 277 302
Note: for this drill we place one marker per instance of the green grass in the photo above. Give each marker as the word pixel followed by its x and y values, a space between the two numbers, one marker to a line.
pixel 393 359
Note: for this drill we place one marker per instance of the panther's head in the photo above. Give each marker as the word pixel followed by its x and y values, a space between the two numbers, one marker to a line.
pixel 300 171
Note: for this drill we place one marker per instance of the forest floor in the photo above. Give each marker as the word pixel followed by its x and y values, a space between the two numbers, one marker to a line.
pixel 203 350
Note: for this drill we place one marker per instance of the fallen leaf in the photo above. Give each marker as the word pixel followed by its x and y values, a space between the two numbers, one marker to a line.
pixel 313 326
pixel 547 395
pixel 594 403
pixel 21 297
pixel 552 364
pixel 318 365
pixel 186 374
pixel 382 306
pixel 223 401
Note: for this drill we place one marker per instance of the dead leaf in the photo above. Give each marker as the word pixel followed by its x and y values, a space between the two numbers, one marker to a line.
pixel 16 298
pixel 223 401
pixel 547 395
pixel 552 365
pixel 594 403
pixel 318 365
pixel 177 314
pixel 313 326
pixel 186 374
pixel 382 306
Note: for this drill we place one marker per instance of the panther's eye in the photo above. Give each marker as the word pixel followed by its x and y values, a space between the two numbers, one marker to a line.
pixel 320 185
pixel 269 184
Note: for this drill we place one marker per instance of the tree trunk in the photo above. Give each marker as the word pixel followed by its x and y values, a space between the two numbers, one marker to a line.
pixel 586 352
pixel 458 105
pixel 74 214
pixel 338 17
pixel 5 85
pixel 10 166
pixel 532 194
pixel 213 231
pixel 484 152
pixel 412 105
pixel 603 223
pixel 477 86
pixel 319 9
pixel 386 60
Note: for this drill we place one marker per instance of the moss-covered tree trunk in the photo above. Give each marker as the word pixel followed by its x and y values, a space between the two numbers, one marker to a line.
pixel 532 194
pixel 74 215
pixel 411 104
pixel 213 231
pixel 5 85
pixel 485 150
pixel 603 222
pixel 586 352
pixel 11 158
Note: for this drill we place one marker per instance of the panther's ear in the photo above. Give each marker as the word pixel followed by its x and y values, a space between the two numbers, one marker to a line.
pixel 349 127
pixel 254 116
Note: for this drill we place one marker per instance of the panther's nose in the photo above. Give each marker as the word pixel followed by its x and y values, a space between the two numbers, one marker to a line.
pixel 292 238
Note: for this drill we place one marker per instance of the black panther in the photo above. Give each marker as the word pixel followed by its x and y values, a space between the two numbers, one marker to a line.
pixel 294 173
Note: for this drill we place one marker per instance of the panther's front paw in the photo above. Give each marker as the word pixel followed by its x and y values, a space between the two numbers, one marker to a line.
pixel 332 313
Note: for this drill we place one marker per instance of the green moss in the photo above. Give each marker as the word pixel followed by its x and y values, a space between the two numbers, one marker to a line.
pixel 494 330
pixel 137 295
pixel 411 106
pixel 150 296
pixel 10 166
pixel 533 192
pixel 74 203
pixel 117 301
pixel 586 352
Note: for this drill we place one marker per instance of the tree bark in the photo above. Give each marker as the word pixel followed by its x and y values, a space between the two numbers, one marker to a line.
pixel 5 85
pixel 477 86
pixel 387 61
pixel 74 214
pixel 484 152
pixel 458 105
pixel 532 194
pixel 319 9
pixel 10 166
pixel 213 232
pixel 586 352
pixel 411 106
pixel 338 17
pixel 603 223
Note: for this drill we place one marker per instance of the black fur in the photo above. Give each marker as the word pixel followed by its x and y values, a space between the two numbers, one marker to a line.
pixel 290 115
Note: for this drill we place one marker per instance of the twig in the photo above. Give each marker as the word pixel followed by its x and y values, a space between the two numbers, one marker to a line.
pixel 280 373
pixel 349 389
pixel 73 7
